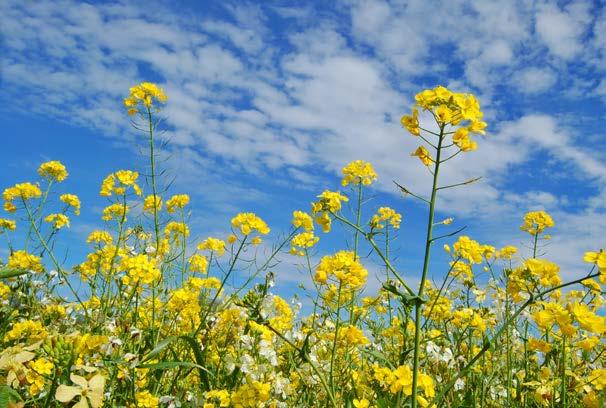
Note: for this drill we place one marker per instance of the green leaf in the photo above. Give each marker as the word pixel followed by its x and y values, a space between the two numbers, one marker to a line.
pixel 8 395
pixel 159 347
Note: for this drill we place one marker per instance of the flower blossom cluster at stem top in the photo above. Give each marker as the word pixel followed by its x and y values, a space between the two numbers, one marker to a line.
pixel 343 266
pixel 247 223
pixel 535 222
pixel 460 111
pixel 358 172
pixel 23 191
pixel 144 95
pixel 117 183
pixel 53 170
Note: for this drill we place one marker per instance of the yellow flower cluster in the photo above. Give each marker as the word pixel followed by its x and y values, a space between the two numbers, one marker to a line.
pixel 144 95
pixel 545 271
pixel 358 172
pixel 448 108
pixel 115 211
pixel 400 380
pixel 386 214
pixel 248 223
pixel 353 336
pixel 220 397
pixel 118 182
pixel 144 399
pixel 177 201
pixel 329 201
pixel 27 329
pixel 468 249
pixel 101 260
pixel 344 267
pixel 302 242
pixel 99 237
pixel 58 220
pixel 251 395
pixel 535 222
pixel 213 244
pixel 300 219
pixel 140 269
pixel 175 231
pixel 7 225
pixel 72 201
pixel 198 263
pixel 24 191
pixel 53 170
pixel 152 203
pixel 23 260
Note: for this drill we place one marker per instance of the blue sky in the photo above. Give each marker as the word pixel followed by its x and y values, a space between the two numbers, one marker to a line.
pixel 269 100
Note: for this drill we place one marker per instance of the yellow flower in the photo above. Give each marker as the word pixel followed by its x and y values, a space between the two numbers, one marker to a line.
pixel 587 319
pixel 443 114
pixel 53 170
pixel 411 123
pixel 361 403
pixel 89 391
pixel 358 172
pixel 423 154
pixel 463 141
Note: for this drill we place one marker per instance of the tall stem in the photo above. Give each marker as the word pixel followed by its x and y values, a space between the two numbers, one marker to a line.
pixel 419 304
pixel 155 207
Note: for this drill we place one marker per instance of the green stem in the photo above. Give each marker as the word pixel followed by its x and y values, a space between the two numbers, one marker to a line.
pixel 428 241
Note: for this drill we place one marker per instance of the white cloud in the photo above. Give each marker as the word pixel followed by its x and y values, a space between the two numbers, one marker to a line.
pixel 534 80
pixel 561 30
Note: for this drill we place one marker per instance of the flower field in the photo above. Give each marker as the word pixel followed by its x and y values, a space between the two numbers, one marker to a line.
pixel 150 318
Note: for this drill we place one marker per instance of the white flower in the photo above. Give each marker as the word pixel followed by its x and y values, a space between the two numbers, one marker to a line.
pixel 247 364
pixel 459 384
